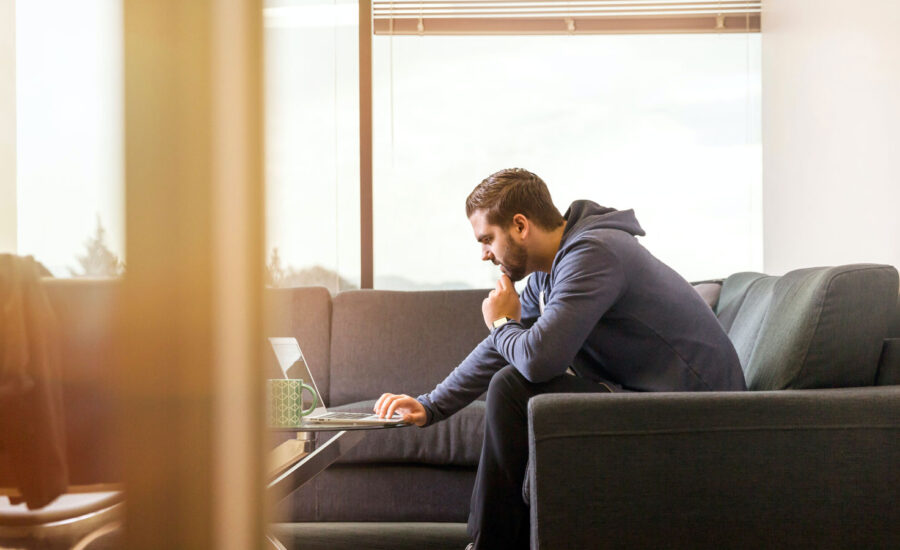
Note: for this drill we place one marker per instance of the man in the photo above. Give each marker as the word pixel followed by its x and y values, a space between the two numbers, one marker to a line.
pixel 599 314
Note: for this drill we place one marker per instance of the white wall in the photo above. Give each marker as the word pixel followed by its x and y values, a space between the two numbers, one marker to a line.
pixel 8 220
pixel 831 132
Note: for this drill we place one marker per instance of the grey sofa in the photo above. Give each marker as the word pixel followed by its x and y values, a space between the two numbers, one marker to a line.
pixel 363 343
pixel 789 464
pixel 811 458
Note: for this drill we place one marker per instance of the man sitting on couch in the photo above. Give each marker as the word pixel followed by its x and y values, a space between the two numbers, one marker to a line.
pixel 599 314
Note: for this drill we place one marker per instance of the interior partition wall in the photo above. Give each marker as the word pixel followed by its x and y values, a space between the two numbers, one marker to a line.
pixel 831 133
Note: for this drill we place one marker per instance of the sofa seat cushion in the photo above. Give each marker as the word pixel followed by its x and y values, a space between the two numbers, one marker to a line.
pixel 453 442
pixel 384 492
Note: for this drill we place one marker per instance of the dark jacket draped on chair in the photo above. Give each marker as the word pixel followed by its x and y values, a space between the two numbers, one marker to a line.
pixel 32 436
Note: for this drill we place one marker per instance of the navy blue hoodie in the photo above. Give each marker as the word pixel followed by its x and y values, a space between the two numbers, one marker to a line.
pixel 612 312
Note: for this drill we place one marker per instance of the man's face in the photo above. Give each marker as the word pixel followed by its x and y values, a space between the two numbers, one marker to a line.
pixel 500 247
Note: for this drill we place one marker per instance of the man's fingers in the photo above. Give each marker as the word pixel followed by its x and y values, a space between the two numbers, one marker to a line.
pixel 504 282
pixel 408 407
pixel 395 403
pixel 386 404
pixel 381 400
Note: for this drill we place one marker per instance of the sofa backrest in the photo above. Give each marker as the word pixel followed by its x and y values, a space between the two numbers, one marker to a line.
pixel 810 328
pixel 709 291
pixel 305 314
pixel 889 365
pixel 894 329
pixel 400 342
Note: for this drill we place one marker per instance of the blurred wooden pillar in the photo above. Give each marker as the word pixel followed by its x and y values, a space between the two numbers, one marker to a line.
pixel 191 338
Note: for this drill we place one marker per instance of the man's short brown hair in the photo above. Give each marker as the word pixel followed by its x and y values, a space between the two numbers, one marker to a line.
pixel 514 191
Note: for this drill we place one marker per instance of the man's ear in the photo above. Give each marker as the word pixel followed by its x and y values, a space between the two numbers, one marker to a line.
pixel 521 225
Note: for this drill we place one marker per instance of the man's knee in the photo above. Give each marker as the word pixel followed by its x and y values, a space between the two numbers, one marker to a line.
pixel 507 402
pixel 504 380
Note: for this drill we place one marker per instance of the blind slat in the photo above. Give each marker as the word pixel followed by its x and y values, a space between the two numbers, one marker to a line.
pixel 614 3
pixel 564 17
pixel 550 13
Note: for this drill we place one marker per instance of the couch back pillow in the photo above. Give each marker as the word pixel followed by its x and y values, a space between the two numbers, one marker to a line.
pixel 709 291
pixel 810 328
pixel 400 342
pixel 305 314
pixel 894 330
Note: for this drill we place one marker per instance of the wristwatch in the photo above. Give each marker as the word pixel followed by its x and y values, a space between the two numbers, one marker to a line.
pixel 501 321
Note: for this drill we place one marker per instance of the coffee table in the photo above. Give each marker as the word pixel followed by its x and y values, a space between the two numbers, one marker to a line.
pixel 298 460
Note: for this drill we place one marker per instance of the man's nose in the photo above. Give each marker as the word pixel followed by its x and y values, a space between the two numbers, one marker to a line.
pixel 486 254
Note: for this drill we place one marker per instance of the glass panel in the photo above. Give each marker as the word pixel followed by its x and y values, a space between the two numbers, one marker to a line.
pixel 312 217
pixel 312 143
pixel 69 135
pixel 665 124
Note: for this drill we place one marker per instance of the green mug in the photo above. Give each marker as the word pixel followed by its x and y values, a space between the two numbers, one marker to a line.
pixel 285 402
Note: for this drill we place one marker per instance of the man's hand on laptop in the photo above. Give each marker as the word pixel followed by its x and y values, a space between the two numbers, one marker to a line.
pixel 412 411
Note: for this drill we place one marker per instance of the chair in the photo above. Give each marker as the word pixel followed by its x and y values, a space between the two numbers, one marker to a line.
pixel 90 508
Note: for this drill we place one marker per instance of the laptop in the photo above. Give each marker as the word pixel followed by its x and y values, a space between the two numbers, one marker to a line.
pixel 289 356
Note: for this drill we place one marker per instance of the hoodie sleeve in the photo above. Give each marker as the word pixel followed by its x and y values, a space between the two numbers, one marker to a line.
pixel 472 377
pixel 467 381
pixel 530 300
pixel 587 281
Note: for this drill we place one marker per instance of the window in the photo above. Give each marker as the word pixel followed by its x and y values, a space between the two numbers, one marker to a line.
pixel 69 127
pixel 312 143
pixel 665 124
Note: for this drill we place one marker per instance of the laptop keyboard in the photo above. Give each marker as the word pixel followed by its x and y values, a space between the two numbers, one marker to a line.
pixel 345 415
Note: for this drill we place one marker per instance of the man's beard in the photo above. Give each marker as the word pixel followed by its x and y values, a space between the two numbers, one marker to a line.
pixel 516 260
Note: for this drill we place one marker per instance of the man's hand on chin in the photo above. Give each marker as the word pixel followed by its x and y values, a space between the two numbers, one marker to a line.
pixel 501 302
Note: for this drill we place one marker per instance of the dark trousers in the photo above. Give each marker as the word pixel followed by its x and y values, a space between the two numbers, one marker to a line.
pixel 498 518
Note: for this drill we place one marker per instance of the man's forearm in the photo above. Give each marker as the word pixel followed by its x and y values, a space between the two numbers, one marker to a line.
pixel 467 381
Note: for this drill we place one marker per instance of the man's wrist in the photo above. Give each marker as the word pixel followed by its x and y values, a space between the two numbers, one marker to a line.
pixel 429 414
pixel 500 321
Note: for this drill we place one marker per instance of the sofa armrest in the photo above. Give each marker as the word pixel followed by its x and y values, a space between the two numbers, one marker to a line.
pixel 805 468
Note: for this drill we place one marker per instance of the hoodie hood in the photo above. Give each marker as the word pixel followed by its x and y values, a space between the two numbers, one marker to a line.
pixel 586 215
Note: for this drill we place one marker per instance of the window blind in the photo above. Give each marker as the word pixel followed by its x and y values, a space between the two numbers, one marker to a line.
pixel 462 17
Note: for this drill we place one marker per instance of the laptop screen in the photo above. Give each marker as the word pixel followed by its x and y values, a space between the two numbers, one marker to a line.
pixel 293 365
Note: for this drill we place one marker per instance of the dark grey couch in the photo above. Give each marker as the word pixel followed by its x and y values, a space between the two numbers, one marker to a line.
pixel 789 464
pixel 786 466
pixel 403 342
